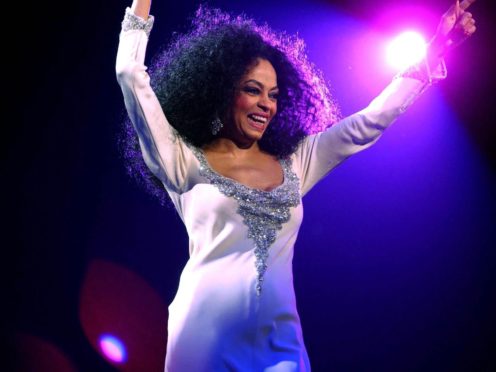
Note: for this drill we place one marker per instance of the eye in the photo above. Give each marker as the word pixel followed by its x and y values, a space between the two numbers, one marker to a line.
pixel 251 90
pixel 274 96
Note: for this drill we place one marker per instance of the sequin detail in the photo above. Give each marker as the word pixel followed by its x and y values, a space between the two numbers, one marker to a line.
pixel 133 22
pixel 422 72
pixel 263 212
pixel 419 71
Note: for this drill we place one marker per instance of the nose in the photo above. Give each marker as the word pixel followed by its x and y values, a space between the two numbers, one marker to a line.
pixel 265 103
pixel 263 106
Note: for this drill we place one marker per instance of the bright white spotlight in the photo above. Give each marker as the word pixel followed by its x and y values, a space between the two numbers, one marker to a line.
pixel 406 50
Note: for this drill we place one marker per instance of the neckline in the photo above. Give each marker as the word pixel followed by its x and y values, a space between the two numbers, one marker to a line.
pixel 203 159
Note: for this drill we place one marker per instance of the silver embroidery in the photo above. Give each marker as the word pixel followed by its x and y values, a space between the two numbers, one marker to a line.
pixel 263 212
pixel 133 22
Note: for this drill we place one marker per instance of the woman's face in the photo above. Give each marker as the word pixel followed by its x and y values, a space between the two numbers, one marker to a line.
pixel 255 103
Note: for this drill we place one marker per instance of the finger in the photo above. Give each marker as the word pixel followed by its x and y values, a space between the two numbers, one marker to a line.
pixel 466 3
pixel 469 29
pixel 465 18
pixel 453 10
pixel 471 21
pixel 457 9
pixel 466 34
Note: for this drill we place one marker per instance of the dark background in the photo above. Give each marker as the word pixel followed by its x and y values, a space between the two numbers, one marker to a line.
pixel 395 290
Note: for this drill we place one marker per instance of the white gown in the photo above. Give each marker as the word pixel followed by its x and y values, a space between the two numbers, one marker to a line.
pixel 235 309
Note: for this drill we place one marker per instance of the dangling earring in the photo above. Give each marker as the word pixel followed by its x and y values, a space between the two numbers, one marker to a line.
pixel 216 125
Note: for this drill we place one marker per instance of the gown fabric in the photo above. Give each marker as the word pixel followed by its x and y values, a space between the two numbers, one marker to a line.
pixel 217 320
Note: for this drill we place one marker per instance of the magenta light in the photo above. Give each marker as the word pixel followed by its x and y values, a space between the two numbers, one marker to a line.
pixel 405 50
pixel 113 348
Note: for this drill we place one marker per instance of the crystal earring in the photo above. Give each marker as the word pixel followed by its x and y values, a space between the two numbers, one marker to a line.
pixel 216 125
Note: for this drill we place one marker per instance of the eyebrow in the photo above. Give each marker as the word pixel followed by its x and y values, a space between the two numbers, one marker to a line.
pixel 259 84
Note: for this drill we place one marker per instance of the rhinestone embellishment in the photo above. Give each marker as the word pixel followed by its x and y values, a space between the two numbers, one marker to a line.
pixel 134 22
pixel 263 212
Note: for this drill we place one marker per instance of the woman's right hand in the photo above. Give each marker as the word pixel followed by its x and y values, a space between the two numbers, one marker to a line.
pixel 456 26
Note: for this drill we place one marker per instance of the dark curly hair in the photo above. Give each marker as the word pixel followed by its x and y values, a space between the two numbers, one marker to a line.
pixel 196 75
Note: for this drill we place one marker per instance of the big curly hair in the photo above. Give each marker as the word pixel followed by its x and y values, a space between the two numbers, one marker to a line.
pixel 195 78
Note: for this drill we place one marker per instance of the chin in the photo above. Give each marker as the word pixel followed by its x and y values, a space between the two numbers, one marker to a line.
pixel 254 135
pixel 255 131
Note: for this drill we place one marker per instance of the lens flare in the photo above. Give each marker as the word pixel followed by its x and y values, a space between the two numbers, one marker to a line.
pixel 113 348
pixel 405 50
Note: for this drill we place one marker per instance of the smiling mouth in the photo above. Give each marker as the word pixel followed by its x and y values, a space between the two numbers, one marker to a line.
pixel 258 122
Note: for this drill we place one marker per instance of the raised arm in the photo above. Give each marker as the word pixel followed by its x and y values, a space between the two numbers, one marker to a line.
pixel 141 8
pixel 163 151
pixel 320 153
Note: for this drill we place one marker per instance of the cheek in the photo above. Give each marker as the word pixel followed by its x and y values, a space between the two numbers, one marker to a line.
pixel 242 103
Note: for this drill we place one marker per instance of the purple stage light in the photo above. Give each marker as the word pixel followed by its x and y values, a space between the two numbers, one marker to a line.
pixel 405 50
pixel 113 348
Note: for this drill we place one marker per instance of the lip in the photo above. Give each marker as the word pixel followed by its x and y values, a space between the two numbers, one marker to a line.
pixel 259 127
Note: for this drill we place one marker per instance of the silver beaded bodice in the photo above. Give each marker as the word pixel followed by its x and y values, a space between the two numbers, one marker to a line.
pixel 263 212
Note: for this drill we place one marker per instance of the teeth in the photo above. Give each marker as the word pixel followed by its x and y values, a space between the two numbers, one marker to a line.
pixel 259 118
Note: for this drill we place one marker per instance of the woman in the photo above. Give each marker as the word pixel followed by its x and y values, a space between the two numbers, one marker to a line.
pixel 235 153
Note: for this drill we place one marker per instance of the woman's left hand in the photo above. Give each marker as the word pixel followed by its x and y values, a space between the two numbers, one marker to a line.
pixel 455 27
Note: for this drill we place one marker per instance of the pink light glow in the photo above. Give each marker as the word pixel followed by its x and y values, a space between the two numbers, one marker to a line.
pixel 113 348
pixel 111 304
pixel 406 49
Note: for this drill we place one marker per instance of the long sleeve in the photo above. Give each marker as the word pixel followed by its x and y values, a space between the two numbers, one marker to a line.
pixel 318 154
pixel 163 151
